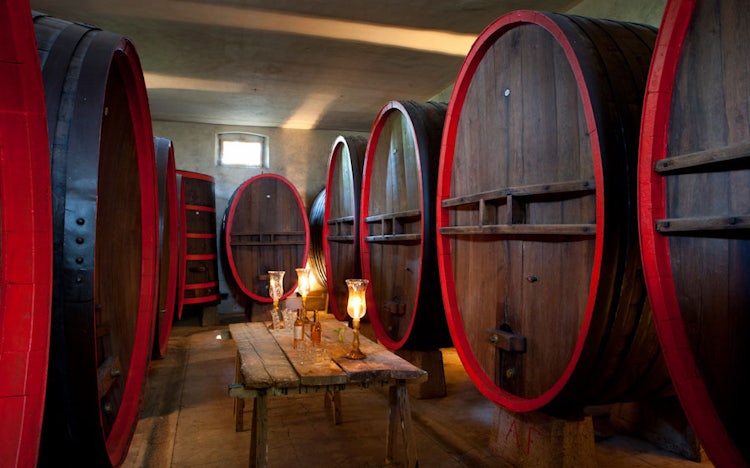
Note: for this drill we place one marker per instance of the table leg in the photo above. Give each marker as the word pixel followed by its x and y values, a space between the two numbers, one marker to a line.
pixel 259 435
pixel 239 403
pixel 333 403
pixel 399 415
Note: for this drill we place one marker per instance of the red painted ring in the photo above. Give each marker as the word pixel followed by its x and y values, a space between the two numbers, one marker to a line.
pixel 26 233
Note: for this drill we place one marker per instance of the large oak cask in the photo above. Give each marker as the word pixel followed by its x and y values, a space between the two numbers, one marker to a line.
pixel 25 239
pixel 168 243
pixel 265 227
pixel 397 226
pixel 694 207
pixel 341 218
pixel 105 233
pixel 537 230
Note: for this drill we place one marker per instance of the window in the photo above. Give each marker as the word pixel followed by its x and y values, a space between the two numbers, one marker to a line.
pixel 242 149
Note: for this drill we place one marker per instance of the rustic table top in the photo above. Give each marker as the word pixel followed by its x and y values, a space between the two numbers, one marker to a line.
pixel 269 360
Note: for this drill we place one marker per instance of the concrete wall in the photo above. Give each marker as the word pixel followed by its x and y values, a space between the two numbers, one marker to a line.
pixel 301 156
pixel 637 11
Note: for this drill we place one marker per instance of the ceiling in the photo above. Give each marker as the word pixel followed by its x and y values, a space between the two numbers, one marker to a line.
pixel 307 64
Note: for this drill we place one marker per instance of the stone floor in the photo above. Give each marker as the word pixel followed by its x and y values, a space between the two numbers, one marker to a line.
pixel 187 419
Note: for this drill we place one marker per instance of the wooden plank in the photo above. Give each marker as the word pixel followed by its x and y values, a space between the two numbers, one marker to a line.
pixel 710 223
pixel 264 364
pixel 343 239
pixel 107 373
pixel 523 229
pixel 401 215
pixel 389 238
pixel 699 161
pixel 549 188
pixel 380 363
pixel 341 220
pixel 310 372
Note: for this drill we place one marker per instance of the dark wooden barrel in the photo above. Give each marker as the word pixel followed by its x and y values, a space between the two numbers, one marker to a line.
pixel 341 218
pixel 397 226
pixel 168 243
pixel 181 247
pixel 316 255
pixel 694 207
pixel 538 247
pixel 265 227
pixel 105 232
pixel 25 239
pixel 201 260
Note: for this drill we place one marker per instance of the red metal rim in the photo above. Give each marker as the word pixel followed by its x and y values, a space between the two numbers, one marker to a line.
pixel 25 238
pixel 674 340
pixel 128 65
pixel 485 40
pixel 364 209
pixel 228 231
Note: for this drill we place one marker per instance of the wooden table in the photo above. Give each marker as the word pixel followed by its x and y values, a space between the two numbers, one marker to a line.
pixel 268 365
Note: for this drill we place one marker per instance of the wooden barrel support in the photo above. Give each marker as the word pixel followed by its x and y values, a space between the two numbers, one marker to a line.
pixel 25 239
pixel 265 227
pixel 201 261
pixel 694 208
pixel 397 226
pixel 341 218
pixel 537 241
pixel 168 243
pixel 105 230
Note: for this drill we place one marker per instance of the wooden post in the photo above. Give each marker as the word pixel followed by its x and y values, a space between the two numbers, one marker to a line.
pixel 259 435
pixel 239 403
pixel 399 415
pixel 333 403
pixel 431 361
pixel 538 439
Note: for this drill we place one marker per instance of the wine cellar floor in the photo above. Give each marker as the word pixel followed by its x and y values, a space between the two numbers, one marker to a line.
pixel 187 419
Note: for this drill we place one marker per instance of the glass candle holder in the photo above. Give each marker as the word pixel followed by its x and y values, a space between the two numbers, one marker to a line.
pixel 356 307
pixel 275 290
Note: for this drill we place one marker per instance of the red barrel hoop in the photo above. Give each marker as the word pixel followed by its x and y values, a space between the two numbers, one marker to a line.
pixel 25 239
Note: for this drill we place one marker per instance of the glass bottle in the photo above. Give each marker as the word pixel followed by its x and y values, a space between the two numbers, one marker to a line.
pixel 316 330
pixel 299 328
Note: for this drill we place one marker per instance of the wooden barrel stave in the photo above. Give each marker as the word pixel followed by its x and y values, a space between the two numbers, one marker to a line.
pixel 547 242
pixel 694 180
pixel 105 242
pixel 397 237
pixel 341 218
pixel 317 255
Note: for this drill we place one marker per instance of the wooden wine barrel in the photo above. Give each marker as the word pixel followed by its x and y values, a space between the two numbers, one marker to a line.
pixel 201 261
pixel 168 243
pixel 694 207
pixel 341 219
pixel 265 227
pixel 25 239
pixel 397 226
pixel 538 248
pixel 105 232
pixel 181 247
pixel 316 255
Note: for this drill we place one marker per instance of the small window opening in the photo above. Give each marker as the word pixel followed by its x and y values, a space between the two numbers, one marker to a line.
pixel 242 150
